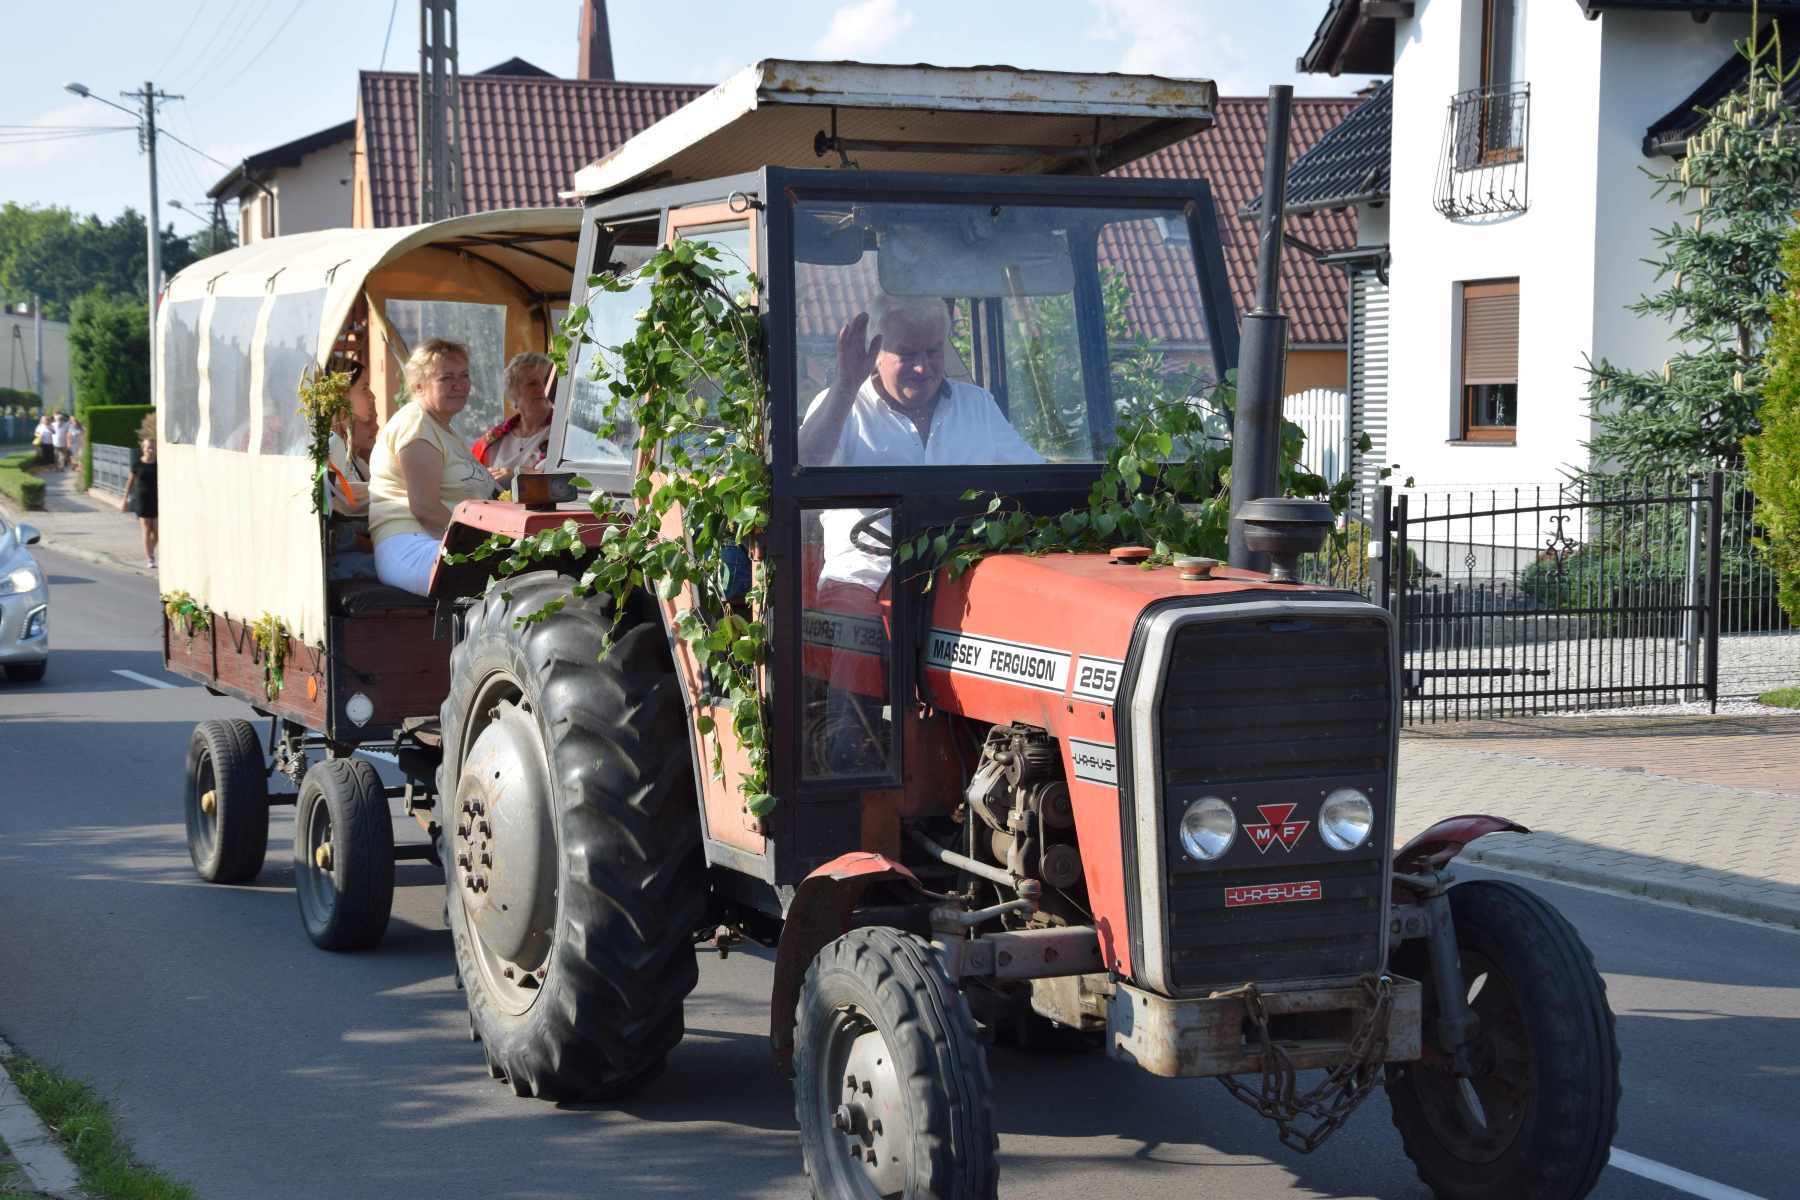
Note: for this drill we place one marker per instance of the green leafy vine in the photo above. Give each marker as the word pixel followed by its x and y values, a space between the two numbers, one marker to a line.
pixel 325 403
pixel 182 609
pixel 691 381
pixel 272 639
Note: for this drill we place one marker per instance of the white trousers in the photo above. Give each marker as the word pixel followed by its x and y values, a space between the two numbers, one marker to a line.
pixel 404 560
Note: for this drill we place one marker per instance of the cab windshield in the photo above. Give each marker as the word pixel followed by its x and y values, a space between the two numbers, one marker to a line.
pixel 980 333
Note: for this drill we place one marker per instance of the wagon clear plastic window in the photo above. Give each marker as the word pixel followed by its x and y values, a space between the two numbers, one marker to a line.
pixel 229 336
pixel 1010 333
pixel 178 364
pixel 480 327
pixel 290 346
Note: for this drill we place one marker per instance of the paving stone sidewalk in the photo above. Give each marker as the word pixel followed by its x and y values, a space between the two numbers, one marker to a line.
pixel 1703 811
pixel 87 526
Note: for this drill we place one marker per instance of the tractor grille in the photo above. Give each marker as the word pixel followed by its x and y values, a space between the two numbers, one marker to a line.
pixel 1267 713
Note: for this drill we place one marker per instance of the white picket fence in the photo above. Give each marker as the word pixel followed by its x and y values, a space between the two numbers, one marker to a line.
pixel 1322 413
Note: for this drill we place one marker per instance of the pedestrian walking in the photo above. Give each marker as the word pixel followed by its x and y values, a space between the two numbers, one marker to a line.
pixel 59 437
pixel 44 438
pixel 140 497
pixel 76 436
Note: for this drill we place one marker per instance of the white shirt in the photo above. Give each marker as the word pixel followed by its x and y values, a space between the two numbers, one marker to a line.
pixel 516 451
pixel 59 435
pixel 967 428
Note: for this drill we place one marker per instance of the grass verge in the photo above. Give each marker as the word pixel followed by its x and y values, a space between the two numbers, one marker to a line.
pixel 26 489
pixel 1781 697
pixel 83 1123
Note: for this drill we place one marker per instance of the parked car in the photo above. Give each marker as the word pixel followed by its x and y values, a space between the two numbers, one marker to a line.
pixel 24 606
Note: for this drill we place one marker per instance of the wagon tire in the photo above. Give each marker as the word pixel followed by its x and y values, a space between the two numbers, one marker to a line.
pixel 1546 1085
pixel 891 1084
pixel 573 873
pixel 344 855
pixel 226 802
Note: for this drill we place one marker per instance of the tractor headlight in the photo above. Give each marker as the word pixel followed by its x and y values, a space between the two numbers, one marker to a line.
pixel 1208 828
pixel 1345 819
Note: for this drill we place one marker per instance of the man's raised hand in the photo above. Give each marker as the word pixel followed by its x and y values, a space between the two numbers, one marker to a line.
pixel 856 352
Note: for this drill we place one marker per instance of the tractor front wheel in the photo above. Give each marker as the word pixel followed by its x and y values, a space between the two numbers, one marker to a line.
pixel 1535 1119
pixel 891 1085
pixel 571 840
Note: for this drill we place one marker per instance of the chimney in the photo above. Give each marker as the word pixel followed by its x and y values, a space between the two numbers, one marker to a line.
pixel 596 42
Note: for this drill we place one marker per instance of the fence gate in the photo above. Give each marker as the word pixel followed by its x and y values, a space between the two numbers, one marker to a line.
pixel 1601 593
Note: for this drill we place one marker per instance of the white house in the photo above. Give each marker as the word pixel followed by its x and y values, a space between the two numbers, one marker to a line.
pixel 296 187
pixel 1510 227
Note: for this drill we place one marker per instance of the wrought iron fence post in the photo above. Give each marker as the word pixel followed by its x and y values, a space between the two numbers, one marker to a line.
pixel 1714 519
pixel 1380 547
pixel 1397 571
pixel 1690 619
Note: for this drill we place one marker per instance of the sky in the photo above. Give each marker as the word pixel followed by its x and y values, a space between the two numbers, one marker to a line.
pixel 253 74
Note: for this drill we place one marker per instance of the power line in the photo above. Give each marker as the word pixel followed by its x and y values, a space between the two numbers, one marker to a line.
pixel 237 20
pixel 392 9
pixel 182 40
pixel 273 37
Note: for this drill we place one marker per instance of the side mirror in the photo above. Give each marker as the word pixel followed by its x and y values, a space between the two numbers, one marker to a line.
pixel 28 535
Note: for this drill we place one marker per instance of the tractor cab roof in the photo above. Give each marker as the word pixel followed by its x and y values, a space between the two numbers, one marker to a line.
pixel 966 120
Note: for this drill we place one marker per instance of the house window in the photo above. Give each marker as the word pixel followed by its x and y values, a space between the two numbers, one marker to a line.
pixel 1502 129
pixel 1490 360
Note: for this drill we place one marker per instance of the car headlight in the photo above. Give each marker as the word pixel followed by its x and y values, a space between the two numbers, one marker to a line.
pixel 24 579
pixel 1345 819
pixel 1208 828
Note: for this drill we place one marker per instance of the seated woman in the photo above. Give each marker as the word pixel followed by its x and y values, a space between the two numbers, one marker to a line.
pixel 352 442
pixel 421 469
pixel 520 442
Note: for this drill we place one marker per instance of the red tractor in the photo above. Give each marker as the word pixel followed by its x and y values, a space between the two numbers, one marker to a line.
pixel 1151 805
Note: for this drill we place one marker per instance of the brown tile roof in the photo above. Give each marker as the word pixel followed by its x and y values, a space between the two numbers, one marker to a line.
pixel 524 136
pixel 1229 156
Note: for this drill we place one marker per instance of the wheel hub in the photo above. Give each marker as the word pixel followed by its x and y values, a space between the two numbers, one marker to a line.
pixel 870 1113
pixel 504 843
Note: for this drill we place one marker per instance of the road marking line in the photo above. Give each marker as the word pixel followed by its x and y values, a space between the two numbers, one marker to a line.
pixel 1678 1179
pixel 143 679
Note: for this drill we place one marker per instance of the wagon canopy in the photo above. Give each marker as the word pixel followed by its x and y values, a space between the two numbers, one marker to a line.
pixel 235 333
pixel 968 120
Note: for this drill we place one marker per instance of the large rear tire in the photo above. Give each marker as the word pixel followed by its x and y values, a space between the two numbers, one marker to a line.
pixel 226 804
pixel 891 1085
pixel 344 855
pixel 572 858
pixel 1536 1121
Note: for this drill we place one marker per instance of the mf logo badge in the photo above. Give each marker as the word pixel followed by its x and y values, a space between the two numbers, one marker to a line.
pixel 1277 829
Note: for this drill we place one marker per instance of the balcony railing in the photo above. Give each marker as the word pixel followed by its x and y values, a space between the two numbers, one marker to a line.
pixel 1482 168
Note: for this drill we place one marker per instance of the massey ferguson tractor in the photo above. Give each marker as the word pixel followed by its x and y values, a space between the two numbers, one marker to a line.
pixel 1144 802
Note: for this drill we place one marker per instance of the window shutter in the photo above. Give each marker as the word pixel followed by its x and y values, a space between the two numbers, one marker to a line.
pixel 1490 333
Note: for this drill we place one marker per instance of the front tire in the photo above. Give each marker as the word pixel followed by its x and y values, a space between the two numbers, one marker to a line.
pixel 344 855
pixel 227 802
pixel 571 841
pixel 26 672
pixel 1536 1121
pixel 891 1085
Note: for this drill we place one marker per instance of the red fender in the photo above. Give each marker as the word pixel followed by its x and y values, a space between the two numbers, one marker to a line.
pixel 1432 848
pixel 819 915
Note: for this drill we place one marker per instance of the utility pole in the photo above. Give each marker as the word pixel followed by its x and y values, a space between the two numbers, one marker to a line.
pixel 146 113
pixel 440 112
pixel 37 333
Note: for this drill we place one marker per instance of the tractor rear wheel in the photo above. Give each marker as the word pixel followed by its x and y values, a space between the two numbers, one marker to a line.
pixel 1536 1119
pixel 226 804
pixel 344 855
pixel 891 1085
pixel 571 840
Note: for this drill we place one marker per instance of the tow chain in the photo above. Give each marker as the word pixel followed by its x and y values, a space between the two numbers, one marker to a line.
pixel 1305 1121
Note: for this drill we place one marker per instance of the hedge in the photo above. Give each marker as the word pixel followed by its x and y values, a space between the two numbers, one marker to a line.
pixel 20 398
pixel 15 481
pixel 110 425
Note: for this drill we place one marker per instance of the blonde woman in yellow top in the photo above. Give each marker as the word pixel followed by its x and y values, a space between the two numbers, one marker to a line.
pixel 421 469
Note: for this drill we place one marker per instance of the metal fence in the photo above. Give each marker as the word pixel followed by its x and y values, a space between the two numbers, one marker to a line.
pixel 1600 593
pixel 112 466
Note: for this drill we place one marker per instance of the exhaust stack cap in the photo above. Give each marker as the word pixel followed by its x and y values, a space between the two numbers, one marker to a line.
pixel 1284 529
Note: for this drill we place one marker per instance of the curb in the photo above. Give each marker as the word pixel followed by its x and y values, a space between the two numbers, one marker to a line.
pixel 37 1152
pixel 1626 883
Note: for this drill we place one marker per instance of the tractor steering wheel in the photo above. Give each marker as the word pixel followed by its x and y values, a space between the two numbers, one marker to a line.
pixel 866 535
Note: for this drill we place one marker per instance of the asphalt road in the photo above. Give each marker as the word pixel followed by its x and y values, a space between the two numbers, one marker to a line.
pixel 254 1066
